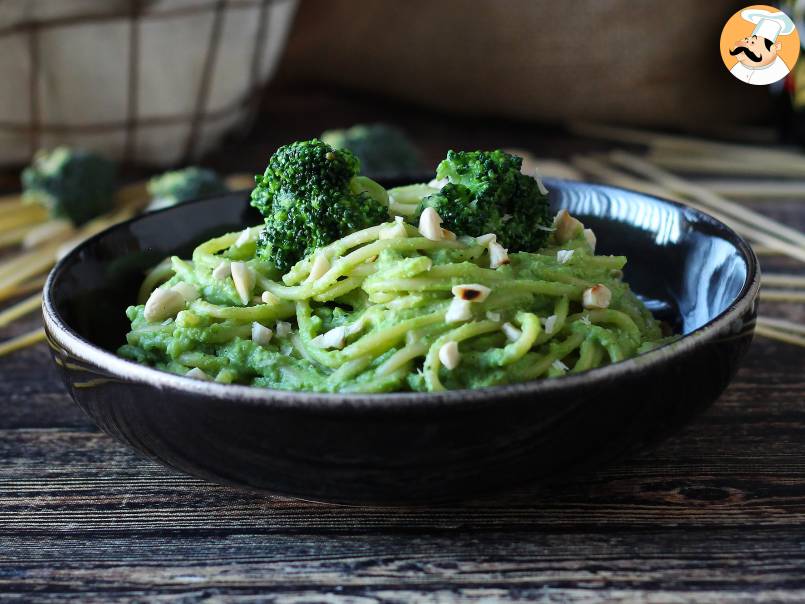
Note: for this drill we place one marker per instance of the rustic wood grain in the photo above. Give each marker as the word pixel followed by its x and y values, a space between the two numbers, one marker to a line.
pixel 715 514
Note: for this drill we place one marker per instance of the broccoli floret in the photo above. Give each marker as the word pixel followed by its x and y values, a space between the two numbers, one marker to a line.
pixel 311 195
pixel 487 193
pixel 382 149
pixel 177 186
pixel 70 183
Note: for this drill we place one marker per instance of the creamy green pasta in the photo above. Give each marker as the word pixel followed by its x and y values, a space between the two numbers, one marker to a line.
pixel 390 308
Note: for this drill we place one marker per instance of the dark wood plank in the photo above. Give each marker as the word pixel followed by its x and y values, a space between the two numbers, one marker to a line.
pixel 577 567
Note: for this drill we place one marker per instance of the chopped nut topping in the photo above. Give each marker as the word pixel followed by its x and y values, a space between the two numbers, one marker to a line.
pixel 485 240
pixel 268 298
pixel 244 238
pixel 197 374
pixel 261 335
pixel 186 291
pixel 559 365
pixel 162 304
pixel 566 227
pixel 449 355
pixel 498 255
pixel 222 271
pixel 283 329
pixel 356 327
pixel 564 256
pixel 589 236
pixel 540 185
pixel 471 292
pixel 598 296
pixel 430 225
pixel 396 231
pixel 459 310
pixel 244 278
pixel 335 338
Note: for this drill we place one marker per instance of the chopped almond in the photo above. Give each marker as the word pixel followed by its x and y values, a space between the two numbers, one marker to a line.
pixel 598 296
pixel 458 311
pixel 430 225
pixel 222 271
pixel 589 237
pixel 197 374
pixel 566 227
pixel 268 298
pixel 335 338
pixel 162 304
pixel 261 335
pixel 244 279
pixel 187 291
pixel 471 292
pixel 564 256
pixel 283 329
pixel 498 255
pixel 449 355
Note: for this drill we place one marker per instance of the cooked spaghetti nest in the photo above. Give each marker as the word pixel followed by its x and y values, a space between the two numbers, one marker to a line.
pixel 390 308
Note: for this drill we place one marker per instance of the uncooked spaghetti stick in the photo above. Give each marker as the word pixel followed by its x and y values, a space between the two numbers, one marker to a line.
pixel 22 341
pixel 20 309
pixel 781 295
pixel 782 336
pixel 782 280
pixel 782 324
pixel 691 189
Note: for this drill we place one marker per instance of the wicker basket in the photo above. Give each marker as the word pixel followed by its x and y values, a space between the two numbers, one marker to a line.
pixel 157 82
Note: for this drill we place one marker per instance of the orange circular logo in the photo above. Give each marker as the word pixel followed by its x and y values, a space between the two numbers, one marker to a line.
pixel 760 45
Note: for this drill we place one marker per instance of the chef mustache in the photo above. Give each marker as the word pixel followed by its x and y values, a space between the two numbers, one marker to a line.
pixel 750 55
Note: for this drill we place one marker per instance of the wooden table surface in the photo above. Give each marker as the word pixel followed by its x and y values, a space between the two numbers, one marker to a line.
pixel 715 514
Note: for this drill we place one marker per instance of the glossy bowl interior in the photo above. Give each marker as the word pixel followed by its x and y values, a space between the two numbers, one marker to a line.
pixel 691 270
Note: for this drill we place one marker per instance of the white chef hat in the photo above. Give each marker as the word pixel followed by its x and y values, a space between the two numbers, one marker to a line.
pixel 768 25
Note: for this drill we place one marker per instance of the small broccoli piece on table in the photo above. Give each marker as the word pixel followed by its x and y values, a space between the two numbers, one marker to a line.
pixel 311 195
pixel 178 186
pixel 487 193
pixel 70 183
pixel 381 149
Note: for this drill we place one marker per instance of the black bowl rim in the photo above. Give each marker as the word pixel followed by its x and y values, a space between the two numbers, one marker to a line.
pixel 65 337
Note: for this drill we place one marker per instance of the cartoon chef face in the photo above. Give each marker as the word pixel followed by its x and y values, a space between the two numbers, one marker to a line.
pixel 755 51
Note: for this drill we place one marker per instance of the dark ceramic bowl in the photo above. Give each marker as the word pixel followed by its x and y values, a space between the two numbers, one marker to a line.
pixel 400 448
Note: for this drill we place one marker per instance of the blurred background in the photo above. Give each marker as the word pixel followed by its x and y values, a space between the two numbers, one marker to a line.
pixel 164 83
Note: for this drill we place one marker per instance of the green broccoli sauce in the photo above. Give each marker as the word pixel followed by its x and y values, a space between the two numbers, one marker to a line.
pixel 221 346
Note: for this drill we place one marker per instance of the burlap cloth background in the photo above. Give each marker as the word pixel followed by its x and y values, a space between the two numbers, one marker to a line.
pixel 646 62
pixel 162 81
pixel 152 81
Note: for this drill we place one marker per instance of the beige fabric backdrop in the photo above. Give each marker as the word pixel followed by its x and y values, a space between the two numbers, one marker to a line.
pixel 160 85
pixel 644 62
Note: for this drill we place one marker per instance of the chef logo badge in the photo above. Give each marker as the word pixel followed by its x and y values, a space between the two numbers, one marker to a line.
pixel 760 45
